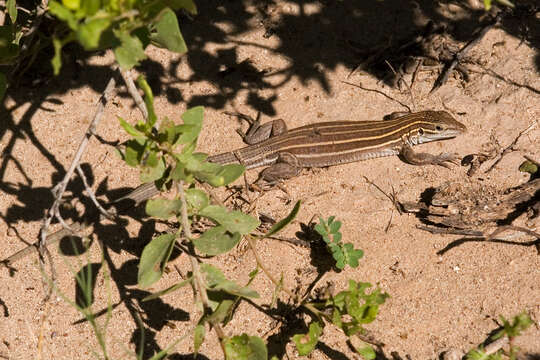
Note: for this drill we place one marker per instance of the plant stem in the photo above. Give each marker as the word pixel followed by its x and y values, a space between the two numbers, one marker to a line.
pixel 197 276
pixel 251 243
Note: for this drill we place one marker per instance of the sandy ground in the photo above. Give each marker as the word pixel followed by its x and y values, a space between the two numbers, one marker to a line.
pixel 295 72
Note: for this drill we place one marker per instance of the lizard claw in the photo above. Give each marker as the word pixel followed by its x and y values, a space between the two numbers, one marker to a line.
pixel 445 159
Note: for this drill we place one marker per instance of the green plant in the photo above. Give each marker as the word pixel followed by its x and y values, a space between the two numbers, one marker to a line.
pixel 487 3
pixel 166 156
pixel 343 253
pixel 127 27
pixel 348 310
pixel 509 329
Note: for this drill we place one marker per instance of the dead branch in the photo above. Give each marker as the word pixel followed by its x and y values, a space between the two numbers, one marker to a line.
pixel 441 80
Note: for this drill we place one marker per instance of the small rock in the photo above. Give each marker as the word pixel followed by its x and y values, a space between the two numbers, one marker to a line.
pixel 453 354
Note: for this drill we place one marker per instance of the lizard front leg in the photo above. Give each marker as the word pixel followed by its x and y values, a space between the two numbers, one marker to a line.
pixel 414 158
pixel 257 132
pixel 286 167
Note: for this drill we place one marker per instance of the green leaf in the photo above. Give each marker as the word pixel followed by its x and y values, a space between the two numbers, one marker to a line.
pixel 154 258
pixel 365 351
pixel 189 5
pixel 305 343
pixel 195 163
pixel 284 222
pixel 216 240
pixel 216 281
pixel 477 354
pixel 168 290
pixel 148 99
pixel 197 199
pixel 134 152
pixel 277 290
pixel 334 226
pixel 89 33
pixel 244 347
pixel 218 175
pixel 56 61
pixel 130 51
pixel 90 7
pixel 152 160
pixel 63 13
pixel 221 308
pixel 153 173
pixel 179 173
pixel 162 208
pixel 72 4
pixel 529 167
pixel 352 255
pixel 131 130
pixel 360 307
pixel 512 329
pixel 12 10
pixel 198 338
pixel 3 86
pixel 167 132
pixel 167 32
pixel 8 49
pixel 193 118
pixel 234 221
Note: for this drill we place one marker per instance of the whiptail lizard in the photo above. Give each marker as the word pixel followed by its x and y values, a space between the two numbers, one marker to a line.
pixel 326 144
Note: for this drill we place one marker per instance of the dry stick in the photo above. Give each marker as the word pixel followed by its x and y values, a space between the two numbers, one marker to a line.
pixel 91 194
pixel 197 276
pixel 450 231
pixel 419 63
pixel 392 197
pixel 132 89
pixel 378 92
pixel 251 243
pixel 441 80
pixel 138 195
pixel 61 187
pixel 401 78
pixel 495 346
pixel 501 229
pixel 510 148
pixel 509 81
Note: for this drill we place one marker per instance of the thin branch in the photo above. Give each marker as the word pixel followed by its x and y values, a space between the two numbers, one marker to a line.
pixel 197 276
pixel 251 243
pixel 91 194
pixel 61 187
pixel 392 197
pixel 400 78
pixel 441 80
pixel 379 92
pixel 510 148
pixel 132 89
pixel 521 229
pixel 138 195
pixel 495 346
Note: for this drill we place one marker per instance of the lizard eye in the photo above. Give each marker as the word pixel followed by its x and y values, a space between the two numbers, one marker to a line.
pixel 438 128
pixel 420 131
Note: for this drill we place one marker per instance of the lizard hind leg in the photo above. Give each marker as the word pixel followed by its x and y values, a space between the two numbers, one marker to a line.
pixel 286 167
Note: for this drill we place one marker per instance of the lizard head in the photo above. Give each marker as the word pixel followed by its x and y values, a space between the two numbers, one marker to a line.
pixel 438 125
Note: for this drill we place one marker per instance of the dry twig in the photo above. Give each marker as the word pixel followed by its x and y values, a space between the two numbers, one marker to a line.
pixel 132 89
pixel 441 80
